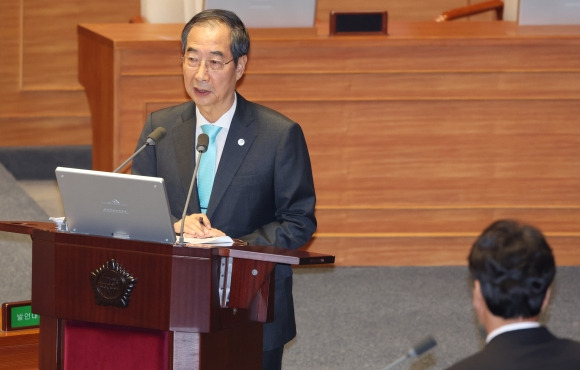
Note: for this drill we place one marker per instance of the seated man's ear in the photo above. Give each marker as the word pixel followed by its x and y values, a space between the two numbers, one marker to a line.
pixel 547 298
pixel 479 304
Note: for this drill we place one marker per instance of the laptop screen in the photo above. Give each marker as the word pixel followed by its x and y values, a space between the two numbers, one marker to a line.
pixel 115 205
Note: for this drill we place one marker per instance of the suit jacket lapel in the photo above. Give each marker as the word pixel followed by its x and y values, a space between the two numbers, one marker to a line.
pixel 241 136
pixel 185 154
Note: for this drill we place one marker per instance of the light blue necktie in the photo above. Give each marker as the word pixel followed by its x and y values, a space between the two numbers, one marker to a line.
pixel 206 171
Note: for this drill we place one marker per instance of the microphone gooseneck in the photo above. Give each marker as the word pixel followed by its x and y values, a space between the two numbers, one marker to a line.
pixel 201 147
pixel 417 350
pixel 153 138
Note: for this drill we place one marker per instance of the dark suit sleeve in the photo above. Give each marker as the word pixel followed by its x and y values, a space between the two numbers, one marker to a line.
pixel 294 195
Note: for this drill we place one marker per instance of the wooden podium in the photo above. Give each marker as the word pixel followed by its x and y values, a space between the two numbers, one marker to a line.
pixel 119 304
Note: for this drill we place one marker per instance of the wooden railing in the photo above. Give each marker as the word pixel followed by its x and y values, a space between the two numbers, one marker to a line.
pixel 473 9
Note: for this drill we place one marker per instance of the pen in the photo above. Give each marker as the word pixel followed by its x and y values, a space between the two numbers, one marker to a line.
pixel 201 221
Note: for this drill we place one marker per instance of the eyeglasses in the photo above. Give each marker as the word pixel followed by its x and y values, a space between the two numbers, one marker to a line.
pixel 211 64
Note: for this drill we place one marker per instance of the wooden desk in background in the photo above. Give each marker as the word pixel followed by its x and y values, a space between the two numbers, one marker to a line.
pixel 418 139
pixel 19 349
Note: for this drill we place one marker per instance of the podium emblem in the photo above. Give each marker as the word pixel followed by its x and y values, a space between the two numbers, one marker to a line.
pixel 112 284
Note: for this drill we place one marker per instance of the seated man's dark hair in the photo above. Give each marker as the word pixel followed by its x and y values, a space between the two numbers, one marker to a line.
pixel 514 266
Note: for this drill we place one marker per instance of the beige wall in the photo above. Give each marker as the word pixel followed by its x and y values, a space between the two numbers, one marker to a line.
pixel 510 10
pixel 170 11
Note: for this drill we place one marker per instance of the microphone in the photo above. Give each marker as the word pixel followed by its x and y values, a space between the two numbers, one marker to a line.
pixel 419 348
pixel 201 147
pixel 153 138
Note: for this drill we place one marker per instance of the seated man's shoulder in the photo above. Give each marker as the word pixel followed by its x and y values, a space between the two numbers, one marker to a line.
pixel 477 361
pixel 563 354
pixel 571 346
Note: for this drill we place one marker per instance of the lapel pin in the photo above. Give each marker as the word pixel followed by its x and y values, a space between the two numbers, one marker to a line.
pixel 241 142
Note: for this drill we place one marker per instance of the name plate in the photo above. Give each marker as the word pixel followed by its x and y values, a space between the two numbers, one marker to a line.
pixel 18 315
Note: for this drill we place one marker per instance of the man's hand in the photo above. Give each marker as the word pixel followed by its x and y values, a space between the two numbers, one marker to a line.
pixel 197 225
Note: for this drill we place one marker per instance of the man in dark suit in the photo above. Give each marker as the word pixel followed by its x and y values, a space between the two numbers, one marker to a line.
pixel 513 268
pixel 263 191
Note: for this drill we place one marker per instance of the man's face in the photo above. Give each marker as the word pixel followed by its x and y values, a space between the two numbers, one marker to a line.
pixel 212 91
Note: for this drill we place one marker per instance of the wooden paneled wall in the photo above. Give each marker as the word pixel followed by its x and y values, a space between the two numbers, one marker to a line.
pixel 418 144
pixel 412 156
pixel 418 140
pixel 42 102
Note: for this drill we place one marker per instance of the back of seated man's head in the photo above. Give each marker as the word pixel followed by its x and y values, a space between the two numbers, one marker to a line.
pixel 514 266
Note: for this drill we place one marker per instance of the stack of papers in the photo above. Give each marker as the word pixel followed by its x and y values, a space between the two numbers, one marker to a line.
pixel 218 240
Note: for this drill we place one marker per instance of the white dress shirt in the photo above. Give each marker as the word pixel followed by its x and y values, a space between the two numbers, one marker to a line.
pixel 512 327
pixel 224 122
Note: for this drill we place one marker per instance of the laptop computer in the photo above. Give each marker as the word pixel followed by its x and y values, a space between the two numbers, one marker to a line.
pixel 269 13
pixel 115 205
pixel 549 12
